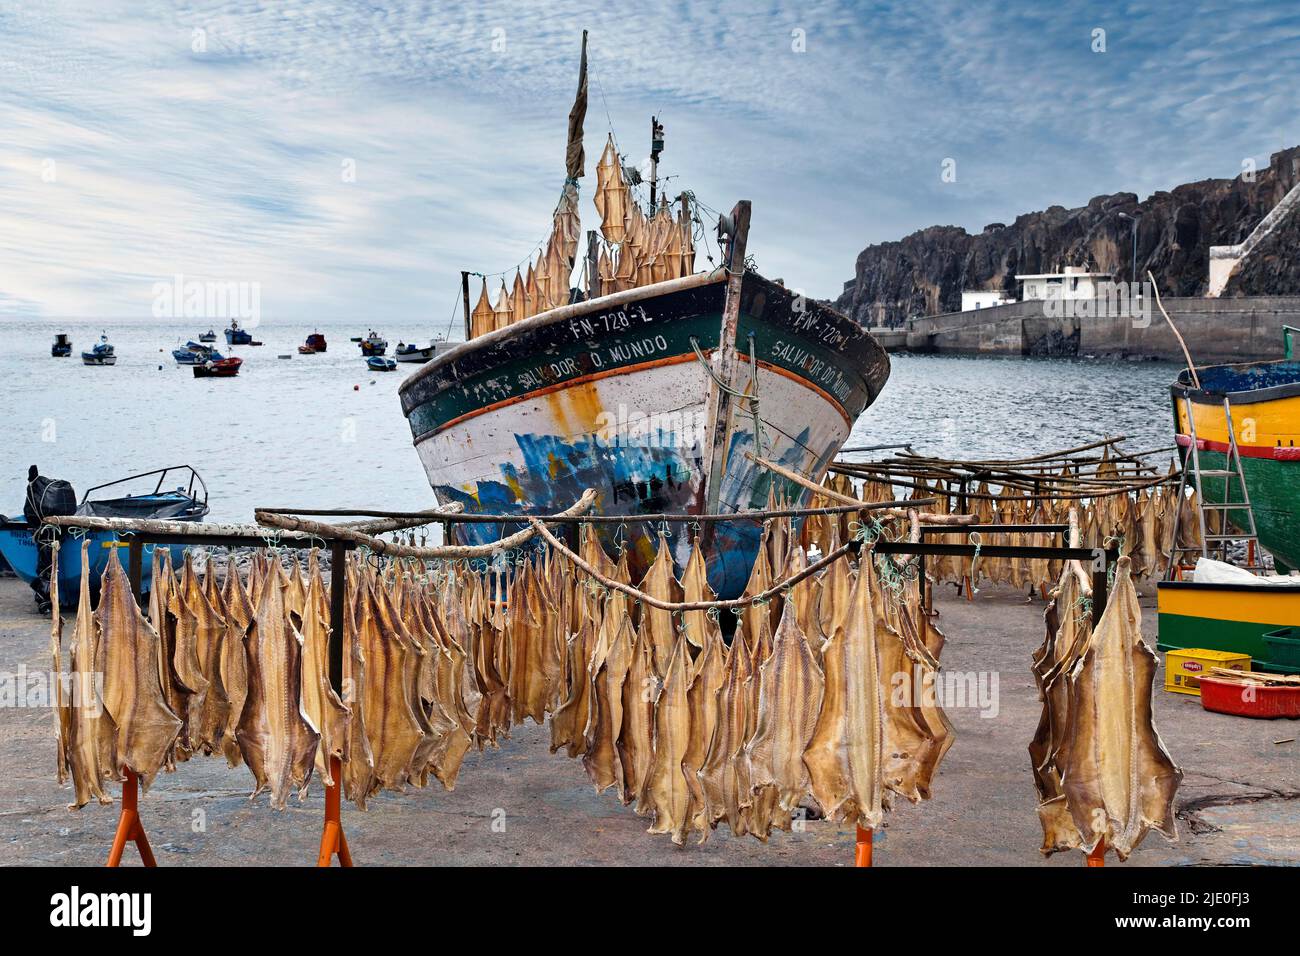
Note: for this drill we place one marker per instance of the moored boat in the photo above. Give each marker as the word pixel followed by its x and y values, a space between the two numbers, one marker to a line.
pixel 218 368
pixel 196 353
pixel 374 344
pixel 102 354
pixel 315 342
pixel 237 336
pixel 1264 400
pixel 656 386
pixel 414 353
pixel 209 336
pixel 306 350
pixel 62 346
pixel 186 502
pixel 378 363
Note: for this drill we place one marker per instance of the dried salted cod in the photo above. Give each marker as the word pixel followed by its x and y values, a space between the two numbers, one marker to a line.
pixel 323 707
pixel 805 597
pixel 277 741
pixel 234 656
pixel 1119 779
pixel 569 722
pixel 702 701
pixel 359 766
pixel 695 587
pixel 92 736
pixel 659 582
pixel 396 630
pixel 391 724
pixel 667 794
pixel 449 671
pixel 1068 631
pixel 202 622
pixel 609 668
pixel 790 696
pixel 128 659
pixel 720 778
pixel 62 709
pixel 183 653
pixel 527 631
pixel 636 740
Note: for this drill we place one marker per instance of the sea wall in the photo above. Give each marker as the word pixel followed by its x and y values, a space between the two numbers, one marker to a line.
pixel 1216 330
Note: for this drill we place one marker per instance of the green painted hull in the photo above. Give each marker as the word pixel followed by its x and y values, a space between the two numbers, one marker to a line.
pixel 1274 488
pixel 1178 631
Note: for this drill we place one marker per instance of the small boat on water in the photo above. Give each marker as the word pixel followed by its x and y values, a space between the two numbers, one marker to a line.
pixel 101 354
pixel 218 368
pixel 196 353
pixel 378 363
pixel 62 346
pixel 237 336
pixel 374 344
pixel 656 385
pixel 209 336
pixel 315 343
pixel 306 350
pixel 188 501
pixel 414 353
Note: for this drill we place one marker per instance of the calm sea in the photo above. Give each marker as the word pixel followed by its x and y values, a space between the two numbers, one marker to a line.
pixel 323 431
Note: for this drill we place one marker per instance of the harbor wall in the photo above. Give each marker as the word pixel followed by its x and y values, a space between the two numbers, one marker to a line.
pixel 1216 330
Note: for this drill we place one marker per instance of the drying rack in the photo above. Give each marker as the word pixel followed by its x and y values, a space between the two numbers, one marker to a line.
pixel 130 827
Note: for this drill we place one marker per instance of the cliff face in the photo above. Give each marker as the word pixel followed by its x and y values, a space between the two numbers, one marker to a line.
pixel 925 273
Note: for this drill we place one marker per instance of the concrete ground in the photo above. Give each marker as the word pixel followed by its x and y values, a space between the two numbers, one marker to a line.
pixel 521 805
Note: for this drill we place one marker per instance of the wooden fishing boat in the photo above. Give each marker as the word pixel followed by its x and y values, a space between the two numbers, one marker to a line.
pixel 653 386
pixel 188 501
pixel 209 336
pixel 373 344
pixel 1264 398
pixel 62 347
pixel 218 368
pixel 1238 618
pixel 237 336
pixel 315 343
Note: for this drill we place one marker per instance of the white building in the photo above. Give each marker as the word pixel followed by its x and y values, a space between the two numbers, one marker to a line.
pixel 970 301
pixel 1074 283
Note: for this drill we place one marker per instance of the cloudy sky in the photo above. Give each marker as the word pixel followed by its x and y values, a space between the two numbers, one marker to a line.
pixel 140 139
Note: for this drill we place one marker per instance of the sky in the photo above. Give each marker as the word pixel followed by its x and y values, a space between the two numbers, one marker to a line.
pixel 350 158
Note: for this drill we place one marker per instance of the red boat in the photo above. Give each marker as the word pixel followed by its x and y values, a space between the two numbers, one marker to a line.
pixel 222 368
pixel 316 342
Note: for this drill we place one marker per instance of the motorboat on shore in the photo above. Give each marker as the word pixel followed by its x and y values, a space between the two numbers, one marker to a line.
pixel 187 501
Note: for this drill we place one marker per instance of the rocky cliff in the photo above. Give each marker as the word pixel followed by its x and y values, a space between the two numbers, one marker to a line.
pixel 925 272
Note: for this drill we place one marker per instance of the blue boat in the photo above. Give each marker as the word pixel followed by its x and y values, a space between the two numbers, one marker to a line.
pixel 186 502
pixel 196 353
pixel 237 336
pixel 62 346
pixel 208 336
pixel 378 363
pixel 101 354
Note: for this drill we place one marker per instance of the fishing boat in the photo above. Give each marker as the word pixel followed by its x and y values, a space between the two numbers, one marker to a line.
pixel 62 346
pixel 377 363
pixel 237 336
pixel 196 353
pixel 101 354
pixel 187 501
pixel 374 344
pixel 306 350
pixel 414 353
pixel 656 385
pixel 315 342
pixel 218 368
pixel 209 336
pixel 1263 399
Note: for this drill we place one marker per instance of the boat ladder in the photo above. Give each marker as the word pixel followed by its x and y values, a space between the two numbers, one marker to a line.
pixel 1216 541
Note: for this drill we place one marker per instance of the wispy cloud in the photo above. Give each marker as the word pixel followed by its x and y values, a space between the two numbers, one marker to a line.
pixel 143 139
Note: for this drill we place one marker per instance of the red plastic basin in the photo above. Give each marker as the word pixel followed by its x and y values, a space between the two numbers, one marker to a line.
pixel 1257 700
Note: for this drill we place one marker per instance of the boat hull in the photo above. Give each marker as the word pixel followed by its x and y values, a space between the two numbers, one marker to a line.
pixel 1265 401
pixel 1227 617
pixel 611 395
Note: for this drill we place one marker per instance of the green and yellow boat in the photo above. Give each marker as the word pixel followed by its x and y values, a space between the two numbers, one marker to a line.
pixel 1264 399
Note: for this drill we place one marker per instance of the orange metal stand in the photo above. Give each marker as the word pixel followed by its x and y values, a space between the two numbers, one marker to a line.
pixel 129 826
pixel 862 853
pixel 1098 856
pixel 332 840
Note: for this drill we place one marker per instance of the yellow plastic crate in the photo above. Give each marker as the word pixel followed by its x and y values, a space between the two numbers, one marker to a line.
pixel 1184 668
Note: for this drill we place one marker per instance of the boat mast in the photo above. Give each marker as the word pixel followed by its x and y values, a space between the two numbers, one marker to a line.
pixel 656 147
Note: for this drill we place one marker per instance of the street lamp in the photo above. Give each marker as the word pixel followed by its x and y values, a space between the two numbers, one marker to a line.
pixel 1133 218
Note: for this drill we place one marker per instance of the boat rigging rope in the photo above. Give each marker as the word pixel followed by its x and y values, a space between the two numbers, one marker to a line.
pixel 751 397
